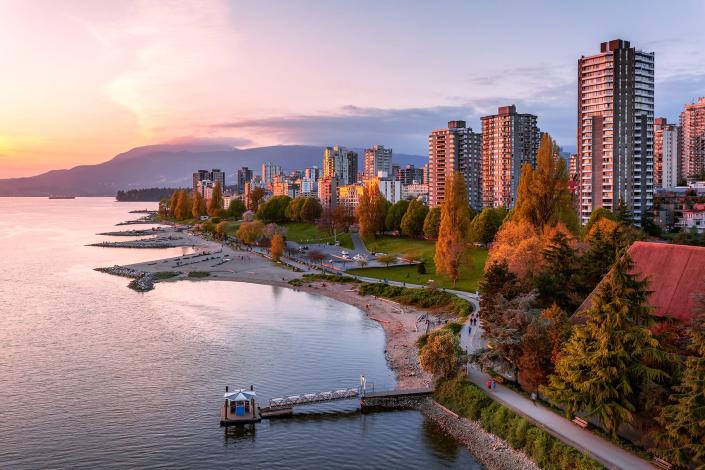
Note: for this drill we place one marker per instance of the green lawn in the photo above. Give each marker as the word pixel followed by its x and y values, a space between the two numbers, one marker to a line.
pixel 309 233
pixel 470 274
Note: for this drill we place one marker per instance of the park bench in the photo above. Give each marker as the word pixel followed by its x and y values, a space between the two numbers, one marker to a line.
pixel 660 463
pixel 580 422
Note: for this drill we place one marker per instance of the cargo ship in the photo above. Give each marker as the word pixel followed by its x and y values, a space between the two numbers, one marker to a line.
pixel 62 197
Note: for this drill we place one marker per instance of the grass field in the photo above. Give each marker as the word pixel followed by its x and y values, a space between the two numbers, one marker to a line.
pixel 470 274
pixel 309 233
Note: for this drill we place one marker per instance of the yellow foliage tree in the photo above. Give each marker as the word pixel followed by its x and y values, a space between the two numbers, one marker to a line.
pixel 519 244
pixel 249 232
pixel 197 208
pixel 371 211
pixel 544 197
pixel 455 218
pixel 277 247
pixel 442 354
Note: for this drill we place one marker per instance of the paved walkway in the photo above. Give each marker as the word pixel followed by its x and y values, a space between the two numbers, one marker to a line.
pixel 600 449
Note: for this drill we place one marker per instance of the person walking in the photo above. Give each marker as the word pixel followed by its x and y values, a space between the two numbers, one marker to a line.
pixel 494 385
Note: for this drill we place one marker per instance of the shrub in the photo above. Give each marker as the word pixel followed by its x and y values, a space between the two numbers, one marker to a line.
pixel 198 274
pixel 423 298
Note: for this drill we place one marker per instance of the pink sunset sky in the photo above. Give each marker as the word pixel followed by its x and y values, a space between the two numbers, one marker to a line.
pixel 84 80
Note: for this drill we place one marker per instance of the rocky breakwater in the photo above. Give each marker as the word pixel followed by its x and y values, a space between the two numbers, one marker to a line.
pixel 156 242
pixel 491 451
pixel 141 281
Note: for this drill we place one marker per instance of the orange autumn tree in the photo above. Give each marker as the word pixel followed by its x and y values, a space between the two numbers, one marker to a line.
pixel 277 247
pixel 455 218
pixel 519 245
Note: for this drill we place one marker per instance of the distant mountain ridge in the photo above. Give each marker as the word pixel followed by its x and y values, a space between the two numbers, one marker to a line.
pixel 168 165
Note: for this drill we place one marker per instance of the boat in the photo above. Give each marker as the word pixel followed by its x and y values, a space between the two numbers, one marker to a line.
pixel 62 197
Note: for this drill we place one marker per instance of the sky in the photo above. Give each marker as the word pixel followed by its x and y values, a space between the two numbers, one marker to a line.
pixel 82 81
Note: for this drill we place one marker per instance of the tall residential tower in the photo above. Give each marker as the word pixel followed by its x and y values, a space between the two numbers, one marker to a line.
pixel 340 163
pixel 667 155
pixel 615 129
pixel 378 159
pixel 450 150
pixel 509 139
pixel 693 128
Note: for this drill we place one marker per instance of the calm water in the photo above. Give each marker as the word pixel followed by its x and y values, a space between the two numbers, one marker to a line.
pixel 93 374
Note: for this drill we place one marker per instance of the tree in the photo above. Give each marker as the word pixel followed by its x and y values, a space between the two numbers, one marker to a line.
pixel 558 329
pixel 682 440
pixel 432 223
pixel 611 358
pixel 519 245
pixel 270 230
pixel 173 201
pixel 395 214
pixel 412 222
pixel 216 201
pixel 198 206
pixel 598 214
pixel 316 256
pixel 310 210
pixel 555 282
pixel 236 208
pixel 250 232
pixel 535 360
pixel 442 354
pixel 450 247
pixel 274 210
pixel 183 205
pixel 497 282
pixel 387 259
pixel 505 333
pixel 371 212
pixel 277 247
pixel 623 214
pixel 484 227
pixel 221 229
pixel 342 219
pixel 254 198
pixel 293 210
pixel 544 197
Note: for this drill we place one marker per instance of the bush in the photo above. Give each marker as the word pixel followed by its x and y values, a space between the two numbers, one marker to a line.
pixel 198 274
pixel 165 275
pixel 421 268
pixel 323 277
pixel 423 298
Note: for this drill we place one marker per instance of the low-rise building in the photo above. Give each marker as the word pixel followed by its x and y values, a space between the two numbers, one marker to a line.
pixel 349 196
pixel 415 191
pixel 328 192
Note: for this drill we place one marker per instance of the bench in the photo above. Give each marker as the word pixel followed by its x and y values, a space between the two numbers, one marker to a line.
pixel 660 463
pixel 581 422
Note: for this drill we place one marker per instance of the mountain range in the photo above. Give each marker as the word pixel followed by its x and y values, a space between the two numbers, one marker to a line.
pixel 169 165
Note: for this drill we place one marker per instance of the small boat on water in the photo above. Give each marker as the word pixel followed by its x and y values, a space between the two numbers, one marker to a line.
pixel 62 197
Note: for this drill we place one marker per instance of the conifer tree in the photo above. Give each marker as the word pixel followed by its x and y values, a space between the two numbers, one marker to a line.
pixel 623 214
pixel 611 358
pixel 450 247
pixel 683 437
pixel 555 282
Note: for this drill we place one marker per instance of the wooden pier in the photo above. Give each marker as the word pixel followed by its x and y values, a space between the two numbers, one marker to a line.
pixel 239 407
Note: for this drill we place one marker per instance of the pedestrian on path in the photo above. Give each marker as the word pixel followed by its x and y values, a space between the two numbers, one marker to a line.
pixel 533 398
pixel 494 385
pixel 489 384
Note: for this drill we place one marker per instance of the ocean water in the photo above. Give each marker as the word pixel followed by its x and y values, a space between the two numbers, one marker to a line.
pixel 95 375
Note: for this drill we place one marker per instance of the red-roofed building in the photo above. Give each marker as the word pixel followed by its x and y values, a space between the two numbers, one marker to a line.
pixel 676 274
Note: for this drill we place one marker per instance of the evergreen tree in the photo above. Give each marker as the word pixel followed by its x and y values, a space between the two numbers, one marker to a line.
pixel 450 247
pixel 611 358
pixel 623 214
pixel 683 437
pixel 432 223
pixel 544 197
pixel 559 329
pixel 395 214
pixel 412 222
pixel 555 281
pixel 216 201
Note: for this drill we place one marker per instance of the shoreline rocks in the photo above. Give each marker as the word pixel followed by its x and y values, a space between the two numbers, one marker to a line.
pixel 141 281
pixel 491 451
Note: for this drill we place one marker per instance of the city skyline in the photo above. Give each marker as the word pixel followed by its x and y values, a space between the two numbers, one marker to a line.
pixel 138 73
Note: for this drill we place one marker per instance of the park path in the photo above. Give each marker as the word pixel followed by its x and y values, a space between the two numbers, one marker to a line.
pixel 600 449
